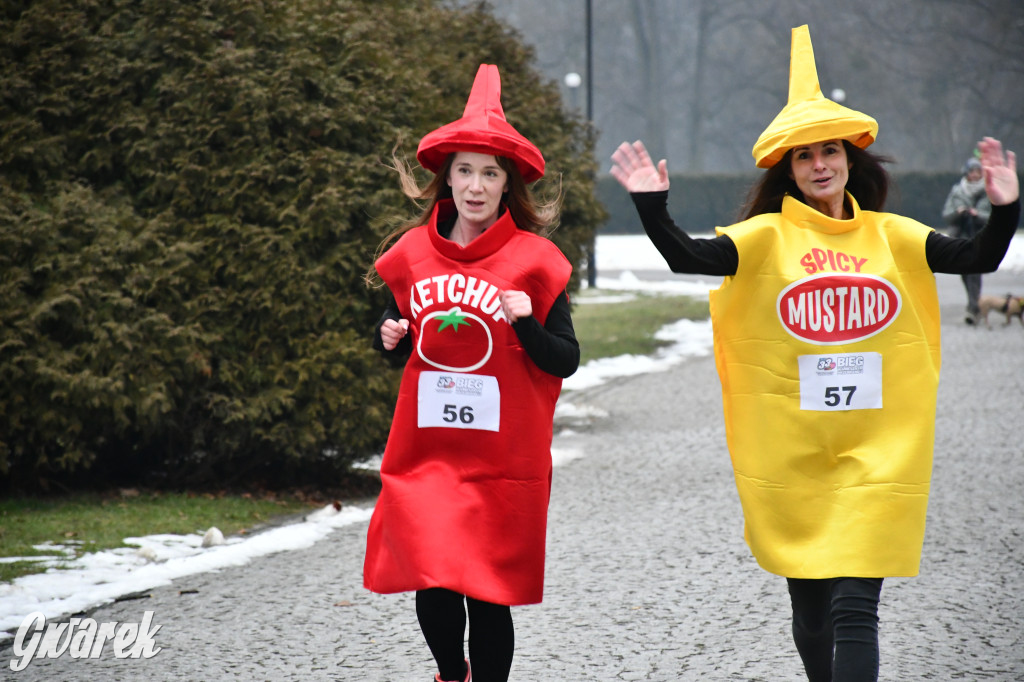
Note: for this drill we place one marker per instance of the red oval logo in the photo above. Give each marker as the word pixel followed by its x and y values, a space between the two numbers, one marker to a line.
pixel 828 309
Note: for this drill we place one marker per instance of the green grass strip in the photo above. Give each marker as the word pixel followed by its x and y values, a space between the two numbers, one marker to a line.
pixel 89 522
pixel 628 327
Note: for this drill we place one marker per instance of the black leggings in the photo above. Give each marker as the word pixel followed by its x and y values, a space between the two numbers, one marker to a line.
pixel 835 627
pixel 442 616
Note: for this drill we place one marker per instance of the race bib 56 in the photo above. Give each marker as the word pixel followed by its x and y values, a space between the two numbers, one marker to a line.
pixel 458 401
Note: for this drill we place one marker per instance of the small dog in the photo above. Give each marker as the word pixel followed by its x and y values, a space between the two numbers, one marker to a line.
pixel 1009 305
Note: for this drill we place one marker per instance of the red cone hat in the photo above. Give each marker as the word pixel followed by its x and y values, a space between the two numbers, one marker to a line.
pixel 482 129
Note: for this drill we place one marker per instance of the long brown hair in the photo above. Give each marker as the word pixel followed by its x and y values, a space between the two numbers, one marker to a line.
pixel 868 183
pixel 527 212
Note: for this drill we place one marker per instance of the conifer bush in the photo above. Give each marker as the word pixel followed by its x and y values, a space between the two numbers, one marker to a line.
pixel 190 194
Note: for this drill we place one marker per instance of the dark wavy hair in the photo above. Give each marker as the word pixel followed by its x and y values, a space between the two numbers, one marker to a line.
pixel 868 183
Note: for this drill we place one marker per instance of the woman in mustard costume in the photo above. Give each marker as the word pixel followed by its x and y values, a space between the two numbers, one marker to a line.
pixel 827 347
pixel 480 318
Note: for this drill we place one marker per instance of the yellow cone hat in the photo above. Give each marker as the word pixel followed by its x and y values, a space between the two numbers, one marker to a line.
pixel 808 116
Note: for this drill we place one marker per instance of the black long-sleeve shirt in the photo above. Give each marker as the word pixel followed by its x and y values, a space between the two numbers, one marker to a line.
pixel 718 255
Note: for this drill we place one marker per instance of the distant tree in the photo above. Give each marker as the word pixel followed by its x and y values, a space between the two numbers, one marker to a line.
pixel 189 196
pixel 700 79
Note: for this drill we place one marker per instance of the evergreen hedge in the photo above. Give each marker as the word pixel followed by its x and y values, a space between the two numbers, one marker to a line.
pixel 190 194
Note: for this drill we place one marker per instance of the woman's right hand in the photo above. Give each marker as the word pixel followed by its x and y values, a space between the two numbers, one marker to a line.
pixel 633 168
pixel 393 331
pixel 1000 172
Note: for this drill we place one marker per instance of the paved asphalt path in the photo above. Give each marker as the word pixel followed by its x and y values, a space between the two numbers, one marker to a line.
pixel 648 577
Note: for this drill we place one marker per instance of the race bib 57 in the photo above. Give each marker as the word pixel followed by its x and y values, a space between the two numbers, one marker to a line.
pixel 841 381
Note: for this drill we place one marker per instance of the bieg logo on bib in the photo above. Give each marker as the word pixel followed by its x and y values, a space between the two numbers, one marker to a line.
pixel 828 309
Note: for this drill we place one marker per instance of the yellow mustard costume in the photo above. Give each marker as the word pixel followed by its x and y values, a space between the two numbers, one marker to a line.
pixel 827 347
pixel 839 487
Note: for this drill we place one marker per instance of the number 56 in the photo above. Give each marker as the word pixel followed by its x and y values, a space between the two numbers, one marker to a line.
pixel 464 415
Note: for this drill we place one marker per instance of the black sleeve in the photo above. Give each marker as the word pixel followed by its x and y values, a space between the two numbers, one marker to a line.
pixel 400 353
pixel 552 347
pixel 981 253
pixel 683 253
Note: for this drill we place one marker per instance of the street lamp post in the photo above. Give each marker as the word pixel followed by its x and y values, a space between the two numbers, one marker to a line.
pixel 573 81
pixel 591 263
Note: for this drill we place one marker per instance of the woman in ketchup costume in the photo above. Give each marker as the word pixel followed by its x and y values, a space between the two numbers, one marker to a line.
pixel 481 318
pixel 827 346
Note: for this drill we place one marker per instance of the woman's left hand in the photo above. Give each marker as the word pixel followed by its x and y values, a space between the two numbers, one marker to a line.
pixel 516 304
pixel 1001 183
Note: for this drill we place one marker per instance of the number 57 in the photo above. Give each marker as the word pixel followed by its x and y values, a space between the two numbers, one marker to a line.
pixel 832 396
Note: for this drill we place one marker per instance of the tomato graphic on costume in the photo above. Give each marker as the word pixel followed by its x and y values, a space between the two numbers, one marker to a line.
pixel 454 340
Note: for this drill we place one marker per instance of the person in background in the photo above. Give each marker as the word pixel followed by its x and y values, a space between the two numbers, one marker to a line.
pixel 480 317
pixel 967 209
pixel 826 337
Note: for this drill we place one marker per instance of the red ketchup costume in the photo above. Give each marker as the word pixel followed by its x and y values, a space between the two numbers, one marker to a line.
pixel 467 469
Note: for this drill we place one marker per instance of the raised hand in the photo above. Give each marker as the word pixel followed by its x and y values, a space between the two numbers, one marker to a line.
pixel 1000 171
pixel 633 168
